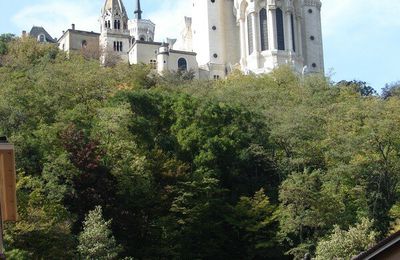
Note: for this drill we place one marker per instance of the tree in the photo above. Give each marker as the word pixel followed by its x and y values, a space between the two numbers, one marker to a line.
pixel 4 40
pixel 305 211
pixel 255 226
pixel 44 228
pixel 361 87
pixel 342 244
pixel 96 240
pixel 391 90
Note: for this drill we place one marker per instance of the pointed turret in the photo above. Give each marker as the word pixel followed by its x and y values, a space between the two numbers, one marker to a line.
pixel 138 11
pixel 115 7
pixel 114 36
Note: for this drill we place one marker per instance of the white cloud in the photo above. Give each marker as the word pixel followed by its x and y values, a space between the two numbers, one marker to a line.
pixel 56 16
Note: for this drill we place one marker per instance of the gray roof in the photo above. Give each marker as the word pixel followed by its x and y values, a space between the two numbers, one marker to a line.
pixel 38 30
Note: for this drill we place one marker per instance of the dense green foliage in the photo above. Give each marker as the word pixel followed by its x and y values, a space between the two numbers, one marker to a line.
pixel 268 167
pixel 342 244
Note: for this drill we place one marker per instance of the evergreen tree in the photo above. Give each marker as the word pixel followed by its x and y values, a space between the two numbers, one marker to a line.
pixel 97 241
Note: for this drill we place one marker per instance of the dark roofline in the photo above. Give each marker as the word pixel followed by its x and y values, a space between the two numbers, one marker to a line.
pixel 150 43
pixel 78 31
pixel 389 240
pixel 38 30
pixel 160 44
pixel 144 42
pixel 183 52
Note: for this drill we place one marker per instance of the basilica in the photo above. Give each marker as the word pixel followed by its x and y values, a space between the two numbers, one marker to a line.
pixel 254 36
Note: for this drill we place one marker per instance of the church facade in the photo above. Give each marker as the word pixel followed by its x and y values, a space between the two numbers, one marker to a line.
pixel 254 36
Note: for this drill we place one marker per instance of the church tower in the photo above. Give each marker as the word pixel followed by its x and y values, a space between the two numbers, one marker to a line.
pixel 312 37
pixel 257 36
pixel 215 36
pixel 141 29
pixel 114 36
pixel 269 31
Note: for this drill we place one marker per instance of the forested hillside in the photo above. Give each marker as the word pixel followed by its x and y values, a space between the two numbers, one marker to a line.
pixel 118 163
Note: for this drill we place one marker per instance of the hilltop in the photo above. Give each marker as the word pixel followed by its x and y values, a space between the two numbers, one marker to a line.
pixel 250 167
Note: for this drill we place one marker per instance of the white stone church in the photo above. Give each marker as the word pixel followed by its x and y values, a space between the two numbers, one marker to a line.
pixel 254 36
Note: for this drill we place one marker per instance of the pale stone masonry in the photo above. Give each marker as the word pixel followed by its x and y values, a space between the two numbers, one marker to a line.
pixel 254 36
pixel 257 35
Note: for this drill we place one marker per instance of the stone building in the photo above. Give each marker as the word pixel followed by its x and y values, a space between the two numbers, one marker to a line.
pixel 79 41
pixel 40 34
pixel 254 36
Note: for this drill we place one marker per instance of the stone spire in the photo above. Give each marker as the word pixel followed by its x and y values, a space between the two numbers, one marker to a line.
pixel 138 11
pixel 115 6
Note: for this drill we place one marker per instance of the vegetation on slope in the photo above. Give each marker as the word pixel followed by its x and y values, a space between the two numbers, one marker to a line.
pixel 244 168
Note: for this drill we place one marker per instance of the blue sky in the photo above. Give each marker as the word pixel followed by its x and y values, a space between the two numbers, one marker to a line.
pixel 361 37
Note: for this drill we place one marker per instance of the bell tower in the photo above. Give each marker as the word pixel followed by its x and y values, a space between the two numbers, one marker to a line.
pixel 141 29
pixel 215 36
pixel 114 36
pixel 312 36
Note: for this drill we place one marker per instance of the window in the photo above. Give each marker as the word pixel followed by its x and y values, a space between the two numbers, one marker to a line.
pixel 117 24
pixel 279 29
pixel 250 34
pixel 293 32
pixel 42 38
pixel 153 64
pixel 216 77
pixel 264 29
pixel 118 46
pixel 109 24
pixel 182 64
pixel 84 44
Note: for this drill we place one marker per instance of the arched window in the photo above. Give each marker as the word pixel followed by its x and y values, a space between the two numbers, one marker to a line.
pixel 109 24
pixel 279 29
pixel 182 64
pixel 84 44
pixel 42 38
pixel 264 29
pixel 250 34
pixel 142 38
pixel 119 24
pixel 293 32
pixel 105 24
pixel 133 40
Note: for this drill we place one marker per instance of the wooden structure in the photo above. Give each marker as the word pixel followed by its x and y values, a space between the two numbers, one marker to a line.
pixel 387 249
pixel 8 198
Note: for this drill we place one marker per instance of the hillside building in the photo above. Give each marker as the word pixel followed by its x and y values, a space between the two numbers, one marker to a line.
pixel 254 36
